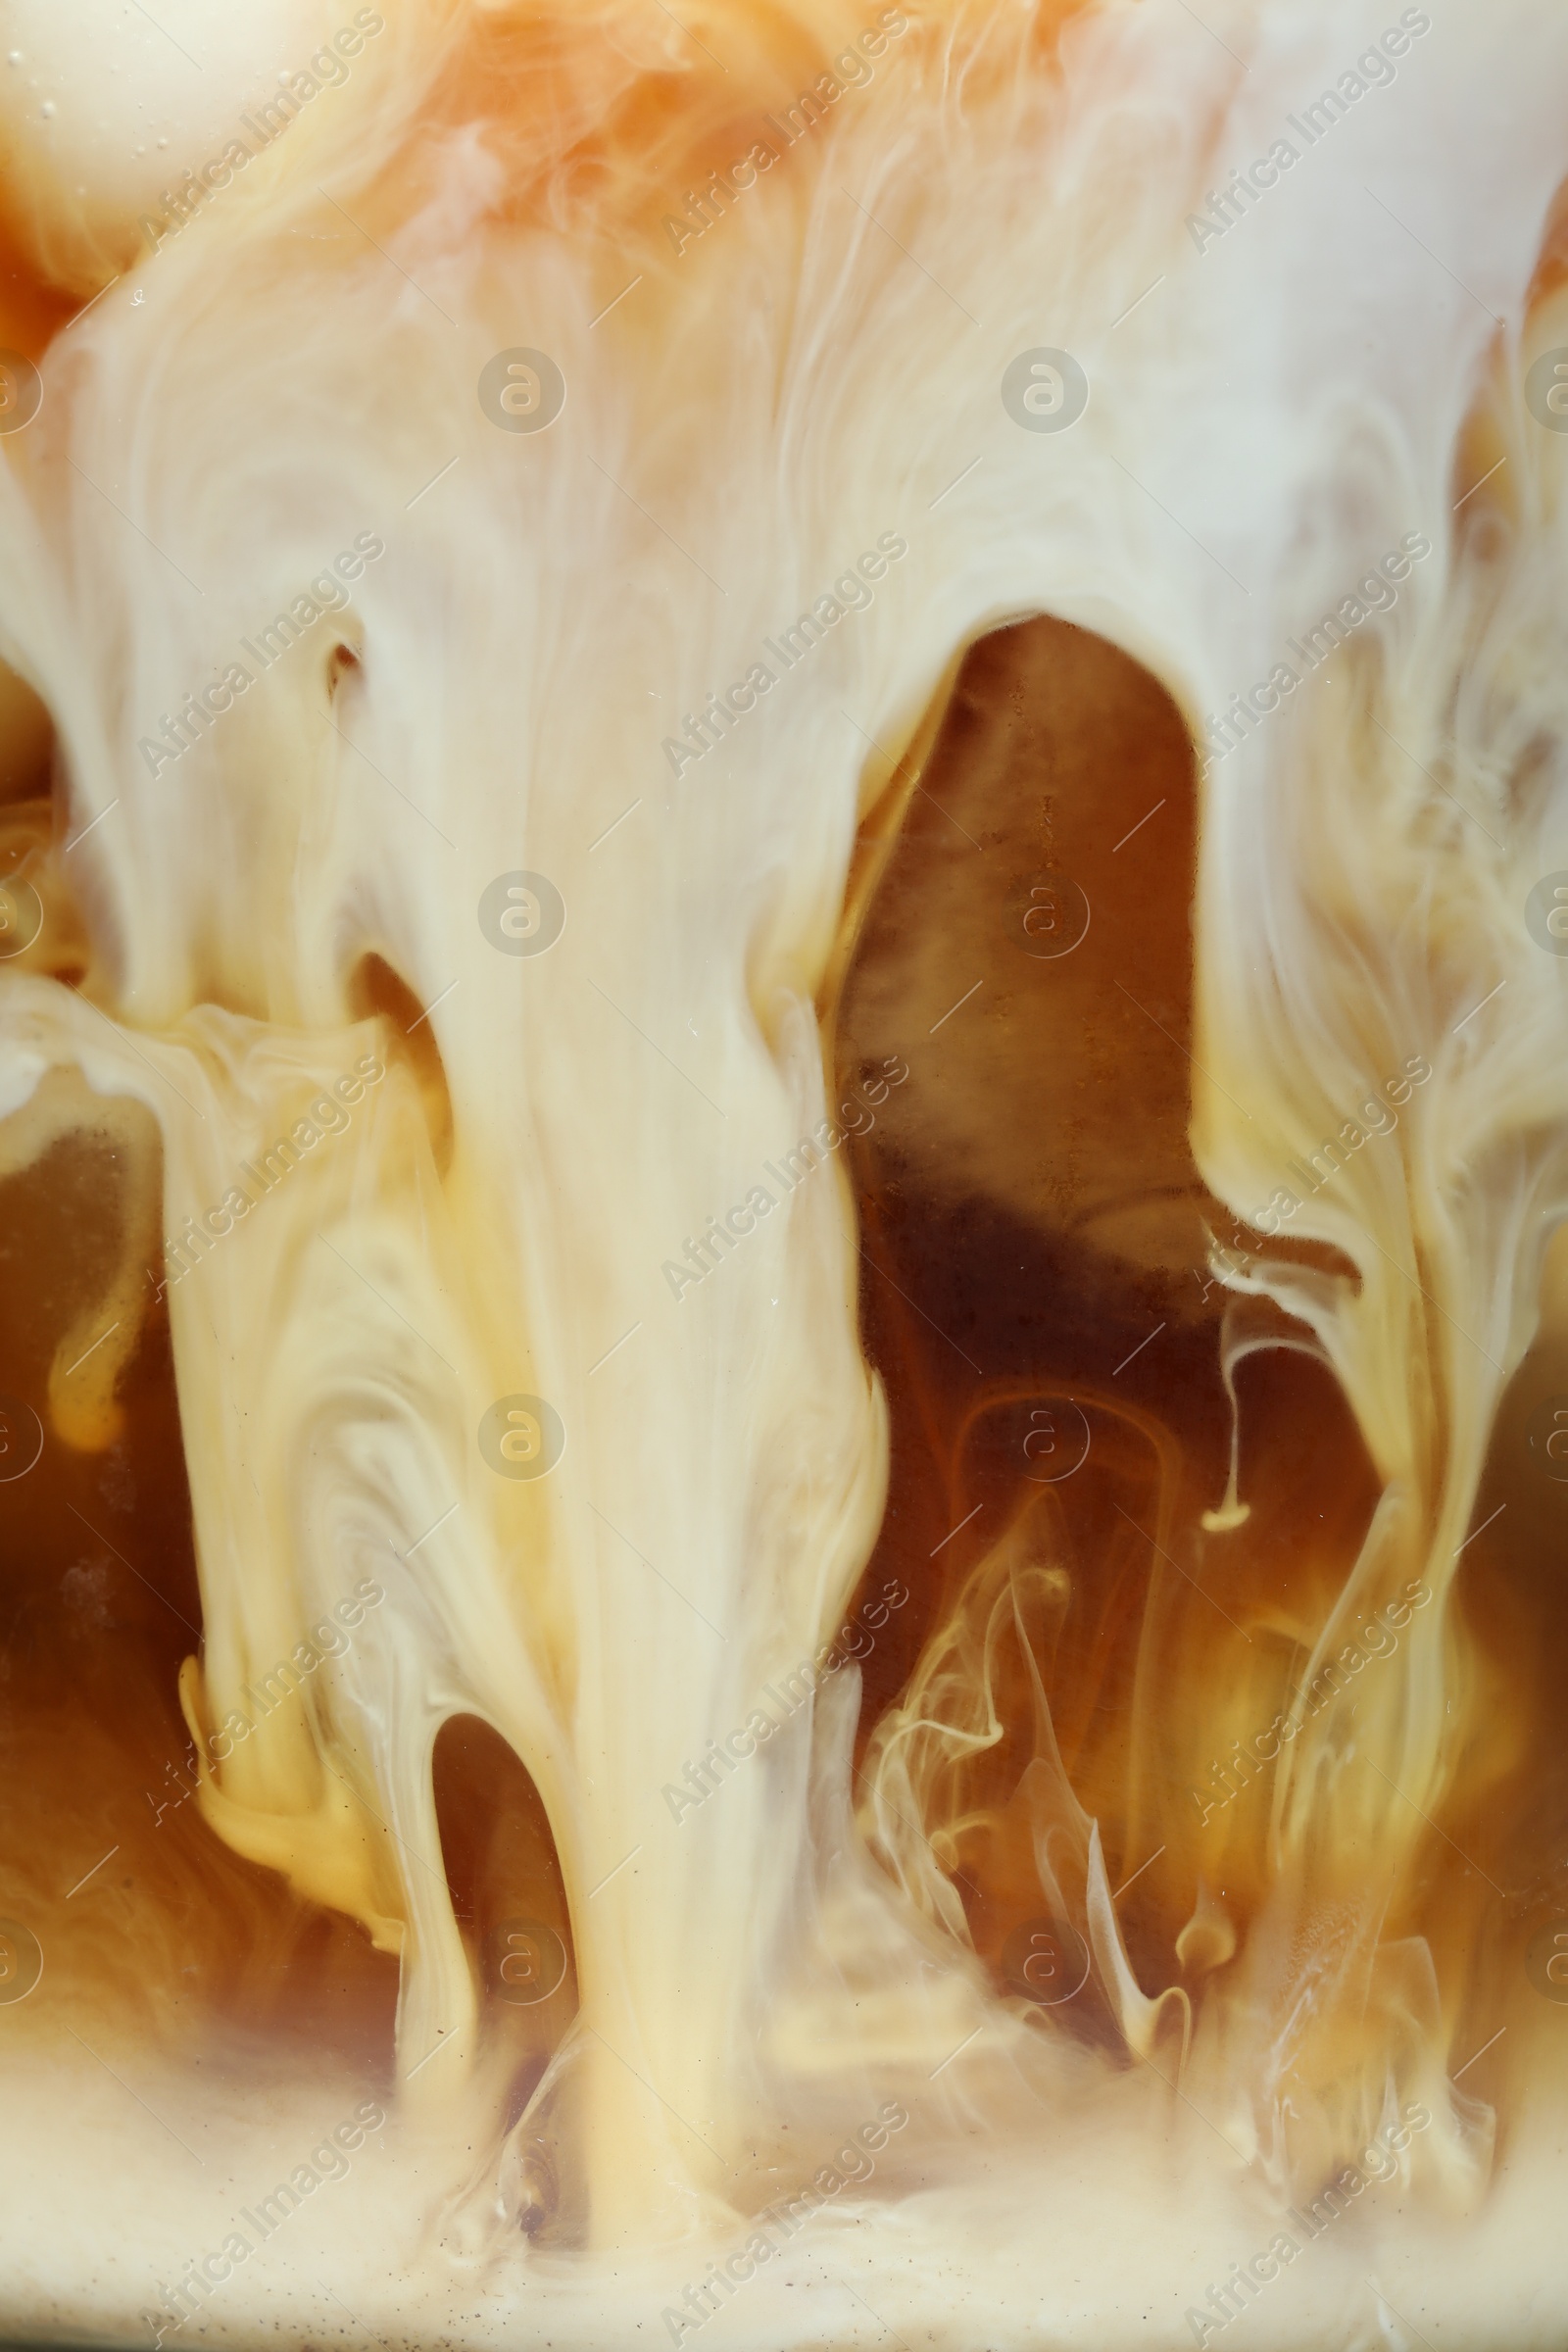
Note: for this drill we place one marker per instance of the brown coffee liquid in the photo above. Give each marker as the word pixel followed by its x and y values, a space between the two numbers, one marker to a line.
pixel 1037 1281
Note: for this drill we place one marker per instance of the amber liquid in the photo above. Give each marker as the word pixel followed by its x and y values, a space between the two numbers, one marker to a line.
pixel 1037 1244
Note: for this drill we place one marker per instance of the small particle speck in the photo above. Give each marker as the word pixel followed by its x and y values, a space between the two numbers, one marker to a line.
pixel 14 57
pixel 47 109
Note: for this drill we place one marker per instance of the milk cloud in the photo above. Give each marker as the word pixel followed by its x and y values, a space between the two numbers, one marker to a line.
pixel 802 1682
pixel 325 594
pixel 1374 1116
pixel 327 1116
pixel 1379 1638
pixel 264 123
pixel 707 1250
pixel 328 2162
pixel 328 1638
pixel 706 206
pixel 1379 2163
pixel 1377 591
pixel 849 593
pixel 854 2163
pixel 1373 70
